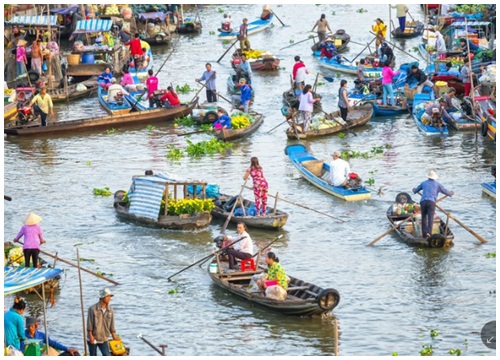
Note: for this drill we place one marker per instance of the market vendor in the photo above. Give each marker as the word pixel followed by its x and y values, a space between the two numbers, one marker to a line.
pixel 472 47
pixel 32 333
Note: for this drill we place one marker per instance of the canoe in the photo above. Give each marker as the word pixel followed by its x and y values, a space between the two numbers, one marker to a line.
pixel 114 109
pixel 232 89
pixel 387 110
pixel 224 204
pixel 143 71
pixel 10 111
pixel 358 116
pixel 490 189
pixel 303 298
pixel 411 31
pixel 298 155
pixel 345 66
pixel 73 92
pixel 232 134
pixel 339 35
pixel 410 232
pixel 464 120
pixel 419 104
pixel 252 28
pixel 291 100
pixel 264 63
pixel 143 118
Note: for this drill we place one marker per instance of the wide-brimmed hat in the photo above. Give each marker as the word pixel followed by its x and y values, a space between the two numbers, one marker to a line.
pixel 31 321
pixel 105 292
pixel 432 175
pixel 329 39
pixel 22 42
pixel 32 219
pixel 267 7
pixel 113 80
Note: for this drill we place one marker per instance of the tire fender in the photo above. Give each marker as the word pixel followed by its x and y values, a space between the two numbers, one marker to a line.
pixel 228 206
pixel 400 198
pixel 328 299
pixel 210 117
pixel 436 241
pixel 484 128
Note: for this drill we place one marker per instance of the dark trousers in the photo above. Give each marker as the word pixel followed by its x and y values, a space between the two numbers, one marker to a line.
pixel 43 115
pixel 343 113
pixel 104 347
pixel 238 255
pixel 402 23
pixel 31 254
pixel 427 208
pixel 211 96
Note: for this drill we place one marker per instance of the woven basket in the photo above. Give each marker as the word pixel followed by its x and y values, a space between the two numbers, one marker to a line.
pixel 314 166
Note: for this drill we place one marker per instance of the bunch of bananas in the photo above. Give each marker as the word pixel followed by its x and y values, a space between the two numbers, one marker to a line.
pixel 253 54
pixel 112 9
pixel 16 256
pixel 240 121
pixel 8 91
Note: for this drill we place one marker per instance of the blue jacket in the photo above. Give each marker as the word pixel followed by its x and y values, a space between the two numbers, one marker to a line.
pixel 41 336
pixel 224 120
pixel 431 190
pixel 106 77
pixel 246 94
pixel 13 325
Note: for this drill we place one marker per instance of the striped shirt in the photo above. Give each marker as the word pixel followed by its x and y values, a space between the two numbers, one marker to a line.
pixel 32 236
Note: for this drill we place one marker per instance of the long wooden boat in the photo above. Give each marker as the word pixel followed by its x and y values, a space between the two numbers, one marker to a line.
pixel 303 298
pixel 387 110
pixel 411 31
pixel 346 67
pixel 112 108
pixel 419 104
pixel 293 101
pixel 299 157
pixel 358 116
pixel 161 35
pixel 452 81
pixel 233 134
pixel 147 117
pixel 73 92
pixel 252 28
pixel 265 63
pixel 411 232
pixel 273 220
pixel 461 121
pixel 490 189
pixel 340 35
pixel 487 114
pixel 10 111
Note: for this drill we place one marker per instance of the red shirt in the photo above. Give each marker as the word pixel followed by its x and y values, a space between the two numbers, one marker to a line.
pixel 296 67
pixel 135 47
pixel 172 98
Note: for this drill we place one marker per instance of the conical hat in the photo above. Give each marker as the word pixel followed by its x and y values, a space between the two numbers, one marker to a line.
pixel 32 219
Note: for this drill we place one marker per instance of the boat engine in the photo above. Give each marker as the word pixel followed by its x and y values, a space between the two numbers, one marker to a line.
pixel 218 241
pixel 119 98
pixel 157 95
pixel 24 115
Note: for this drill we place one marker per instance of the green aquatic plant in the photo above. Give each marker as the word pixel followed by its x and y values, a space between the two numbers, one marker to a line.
pixel 426 350
pixel 111 131
pixel 173 153
pixel 150 127
pixel 490 255
pixel 434 333
pixel 341 135
pixel 207 147
pixel 88 163
pixel 370 181
pixel 102 192
pixel 184 89
pixel 456 352
pixel 361 10
pixel 185 121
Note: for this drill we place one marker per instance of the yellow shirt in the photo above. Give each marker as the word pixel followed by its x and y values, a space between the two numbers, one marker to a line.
pixel 44 103
pixel 380 29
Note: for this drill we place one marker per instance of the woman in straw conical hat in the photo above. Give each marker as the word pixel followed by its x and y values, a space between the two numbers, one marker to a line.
pixel 33 238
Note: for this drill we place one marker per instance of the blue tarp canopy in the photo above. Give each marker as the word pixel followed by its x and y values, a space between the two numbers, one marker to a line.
pixel 64 11
pixel 92 26
pixel 17 279
pixel 153 15
pixel 41 20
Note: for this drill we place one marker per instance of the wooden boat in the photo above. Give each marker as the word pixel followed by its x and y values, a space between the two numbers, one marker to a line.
pixel 145 209
pixel 268 62
pixel 346 67
pixel 10 111
pixel 206 113
pixel 387 110
pixel 189 26
pixel 232 89
pixel 275 219
pixel 112 108
pixel 487 114
pixel 340 39
pixel 411 31
pixel 358 116
pixel 233 134
pixel 419 104
pixel 138 99
pixel 252 27
pixel 301 159
pixel 411 231
pixel 463 120
pixel 452 81
pixel 73 92
pixel 144 118
pixel 490 189
pixel 152 28
pixel 291 100
pixel 303 298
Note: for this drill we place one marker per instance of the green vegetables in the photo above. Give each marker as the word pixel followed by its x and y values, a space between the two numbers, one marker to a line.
pixel 173 153
pixel 491 254
pixel 207 147
pixel 187 206
pixel 102 192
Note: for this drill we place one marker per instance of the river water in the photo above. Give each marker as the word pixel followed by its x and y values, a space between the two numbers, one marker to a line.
pixel 392 295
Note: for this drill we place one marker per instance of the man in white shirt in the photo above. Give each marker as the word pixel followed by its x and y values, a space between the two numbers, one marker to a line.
pixel 242 249
pixel 339 170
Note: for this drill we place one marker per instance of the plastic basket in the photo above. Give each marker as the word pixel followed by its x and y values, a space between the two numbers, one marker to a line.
pixel 73 59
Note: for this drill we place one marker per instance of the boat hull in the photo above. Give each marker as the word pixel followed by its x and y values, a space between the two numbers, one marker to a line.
pixel 417 112
pixel 252 28
pixel 229 135
pixel 490 189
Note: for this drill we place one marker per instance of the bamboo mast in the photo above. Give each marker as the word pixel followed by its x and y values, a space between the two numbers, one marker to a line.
pixel 50 54
pixel 81 304
pixel 471 78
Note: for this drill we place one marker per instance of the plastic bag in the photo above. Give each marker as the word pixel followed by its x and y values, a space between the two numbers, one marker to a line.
pixel 12 351
pixel 252 286
pixel 276 292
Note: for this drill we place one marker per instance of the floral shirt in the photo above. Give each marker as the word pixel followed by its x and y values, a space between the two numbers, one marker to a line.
pixel 258 178
pixel 276 272
pixel 21 54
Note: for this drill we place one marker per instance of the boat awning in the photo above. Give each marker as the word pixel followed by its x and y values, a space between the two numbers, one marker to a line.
pixel 64 11
pixel 470 23
pixel 153 15
pixel 92 26
pixel 41 20
pixel 16 279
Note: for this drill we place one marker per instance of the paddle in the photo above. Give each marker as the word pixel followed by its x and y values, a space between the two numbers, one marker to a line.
pixel 8 198
pixel 277 126
pixel 229 101
pixel 193 132
pixel 206 258
pixel 234 43
pixel 398 225
pixel 327 78
pixel 367 45
pixel 75 265
pixel 390 43
pixel 234 207
pixel 298 42
pixel 411 17
pixel 271 10
pixel 194 97
pixel 294 124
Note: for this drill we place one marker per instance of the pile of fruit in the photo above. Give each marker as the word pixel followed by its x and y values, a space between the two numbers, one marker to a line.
pixel 257 54
pixel 441 83
pixel 15 256
pixel 322 122
pixel 187 206
pixel 112 10
pixel 240 120
pixel 8 91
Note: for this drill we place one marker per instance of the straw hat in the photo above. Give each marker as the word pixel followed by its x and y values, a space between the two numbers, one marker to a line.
pixel 336 153
pixel 432 175
pixel 32 219
pixel 267 7
pixel 22 42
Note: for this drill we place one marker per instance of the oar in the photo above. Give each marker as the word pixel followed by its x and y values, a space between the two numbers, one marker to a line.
pixel 193 132
pixel 327 78
pixel 234 43
pixel 277 126
pixel 198 93
pixel 296 43
pixel 265 247
pixel 367 45
pixel 75 265
pixel 294 124
pixel 398 225
pixel 229 101
pixel 206 258
pixel 390 43
pixel 8 198
pixel 234 207
pixel 271 10
pixel 411 17
pixel 328 116
pixel 303 206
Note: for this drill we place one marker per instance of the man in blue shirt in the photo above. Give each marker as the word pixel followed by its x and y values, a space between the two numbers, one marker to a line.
pixel 210 76
pixel 431 188
pixel 245 69
pixel 223 122
pixel 244 98
pixel 32 333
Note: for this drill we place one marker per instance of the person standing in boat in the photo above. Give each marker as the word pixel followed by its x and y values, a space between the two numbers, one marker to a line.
pixel 209 76
pixel 152 85
pixel 243 36
pixel 260 186
pixel 136 51
pixel 306 106
pixel 245 70
pixel 36 55
pixel 343 100
pixel 401 10
pixel 421 78
pixel 339 170
pixel 322 25
pixel 33 238
pixel 465 72
pixel 21 59
pixel 266 12
pixel 101 324
pixel 380 30
pixel 241 250
pixel 431 188
pixel 42 105
pixel 387 76
pixel 361 71
pixel 299 74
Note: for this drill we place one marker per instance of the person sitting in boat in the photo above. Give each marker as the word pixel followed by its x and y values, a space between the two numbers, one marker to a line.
pixel 339 170
pixel 472 47
pixel 226 24
pixel 450 71
pixel 361 71
pixel 328 49
pixel 32 333
pixel 116 92
pixel 127 79
pixel 223 122
pixel 266 12
pixel 386 53
pixel 244 98
pixel 105 78
pixel 448 98
pixel 276 275
pixel 170 99
pixel 242 249
pixel 421 78
pixel 435 113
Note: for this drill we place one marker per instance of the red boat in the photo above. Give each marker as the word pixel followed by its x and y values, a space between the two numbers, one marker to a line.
pixel 453 81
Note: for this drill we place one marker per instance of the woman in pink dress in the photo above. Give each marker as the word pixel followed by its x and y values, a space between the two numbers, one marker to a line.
pixel 260 186
pixel 33 238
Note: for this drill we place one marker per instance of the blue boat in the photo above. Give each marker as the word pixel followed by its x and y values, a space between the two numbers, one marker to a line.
pixel 299 157
pixel 135 98
pixel 143 71
pixel 419 104
pixel 490 189
pixel 345 66
pixel 387 110
pixel 112 108
pixel 252 28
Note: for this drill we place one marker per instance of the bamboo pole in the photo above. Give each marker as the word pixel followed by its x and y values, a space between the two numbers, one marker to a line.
pixel 336 336
pixel 427 57
pixel 81 304
pixel 45 320
pixel 276 203
pixel 50 54
pixel 390 23
pixel 471 79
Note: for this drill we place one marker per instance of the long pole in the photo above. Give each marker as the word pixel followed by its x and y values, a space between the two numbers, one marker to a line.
pixel 45 320
pixel 397 47
pixel 390 23
pixel 471 79
pixel 427 28
pixel 336 335
pixel 152 346
pixel 50 54
pixel 81 304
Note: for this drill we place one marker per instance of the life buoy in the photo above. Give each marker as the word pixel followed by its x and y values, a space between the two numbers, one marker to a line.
pixel 228 206
pixel 190 27
pixel 33 75
pixel 484 128
pixel 436 241
pixel 210 117
pixel 328 299
pixel 159 38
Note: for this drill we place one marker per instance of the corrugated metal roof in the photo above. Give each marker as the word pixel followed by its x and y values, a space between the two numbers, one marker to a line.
pixel 41 20
pixel 471 23
pixel 17 279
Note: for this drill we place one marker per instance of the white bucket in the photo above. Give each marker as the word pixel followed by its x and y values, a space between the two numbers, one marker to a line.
pixel 213 268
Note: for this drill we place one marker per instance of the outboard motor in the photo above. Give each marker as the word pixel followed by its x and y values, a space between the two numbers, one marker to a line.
pixel 218 241
pixel 24 114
